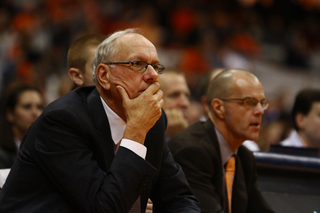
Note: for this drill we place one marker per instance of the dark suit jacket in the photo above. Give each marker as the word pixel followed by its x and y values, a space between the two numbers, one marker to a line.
pixel 197 150
pixel 67 164
pixel 7 157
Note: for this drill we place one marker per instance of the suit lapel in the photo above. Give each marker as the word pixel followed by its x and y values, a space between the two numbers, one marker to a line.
pixel 239 196
pixel 218 176
pixel 102 127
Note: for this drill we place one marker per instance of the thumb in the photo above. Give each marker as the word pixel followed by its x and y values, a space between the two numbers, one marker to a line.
pixel 123 93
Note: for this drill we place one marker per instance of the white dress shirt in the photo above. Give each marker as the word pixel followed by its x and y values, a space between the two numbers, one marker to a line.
pixel 293 140
pixel 117 127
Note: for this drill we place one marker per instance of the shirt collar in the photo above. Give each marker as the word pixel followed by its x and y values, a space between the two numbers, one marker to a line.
pixel 117 125
pixel 296 139
pixel 17 142
pixel 225 149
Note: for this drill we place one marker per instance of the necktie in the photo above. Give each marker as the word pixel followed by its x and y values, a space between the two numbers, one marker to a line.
pixel 135 207
pixel 116 147
pixel 230 169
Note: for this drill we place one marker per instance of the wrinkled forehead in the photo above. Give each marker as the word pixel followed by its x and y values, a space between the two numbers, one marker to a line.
pixel 136 46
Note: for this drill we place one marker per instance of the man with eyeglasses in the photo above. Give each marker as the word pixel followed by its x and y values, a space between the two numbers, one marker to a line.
pixel 219 169
pixel 101 148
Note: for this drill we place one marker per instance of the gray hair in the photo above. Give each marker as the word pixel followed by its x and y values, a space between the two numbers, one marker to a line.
pixel 106 50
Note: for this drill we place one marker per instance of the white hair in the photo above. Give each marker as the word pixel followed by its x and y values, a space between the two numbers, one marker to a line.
pixel 106 50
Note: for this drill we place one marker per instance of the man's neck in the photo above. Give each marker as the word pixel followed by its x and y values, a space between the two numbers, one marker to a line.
pixel 234 143
pixel 115 106
pixel 308 142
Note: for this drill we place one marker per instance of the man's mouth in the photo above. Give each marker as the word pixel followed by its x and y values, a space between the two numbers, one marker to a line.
pixel 255 124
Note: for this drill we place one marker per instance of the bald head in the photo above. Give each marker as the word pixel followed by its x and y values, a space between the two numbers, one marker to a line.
pixel 214 72
pixel 227 82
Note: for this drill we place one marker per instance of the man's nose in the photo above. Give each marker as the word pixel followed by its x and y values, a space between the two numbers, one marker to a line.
pixel 151 75
pixel 184 101
pixel 258 109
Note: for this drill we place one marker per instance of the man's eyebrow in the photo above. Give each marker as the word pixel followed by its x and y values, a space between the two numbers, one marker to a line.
pixel 139 58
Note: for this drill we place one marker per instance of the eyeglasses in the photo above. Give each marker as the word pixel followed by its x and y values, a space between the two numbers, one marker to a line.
pixel 141 66
pixel 249 101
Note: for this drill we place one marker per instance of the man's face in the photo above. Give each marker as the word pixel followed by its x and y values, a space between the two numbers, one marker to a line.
pixel 87 75
pixel 176 93
pixel 132 47
pixel 312 123
pixel 242 120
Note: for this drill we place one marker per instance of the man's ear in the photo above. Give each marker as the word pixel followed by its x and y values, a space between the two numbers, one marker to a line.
pixel 300 120
pixel 218 108
pixel 76 76
pixel 103 76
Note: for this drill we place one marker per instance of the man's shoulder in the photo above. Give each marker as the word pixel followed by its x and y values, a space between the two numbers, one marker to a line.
pixel 193 135
pixel 73 106
pixel 73 99
pixel 191 131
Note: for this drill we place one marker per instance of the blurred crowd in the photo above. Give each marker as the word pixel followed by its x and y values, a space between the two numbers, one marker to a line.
pixel 193 36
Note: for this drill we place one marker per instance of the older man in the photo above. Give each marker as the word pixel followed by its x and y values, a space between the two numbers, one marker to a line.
pixel 222 172
pixel 102 148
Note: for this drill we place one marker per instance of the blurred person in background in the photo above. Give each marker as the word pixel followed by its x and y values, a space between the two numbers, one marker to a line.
pixel 22 107
pixel 306 120
pixel 176 96
pixel 79 61
pixel 80 57
pixel 202 87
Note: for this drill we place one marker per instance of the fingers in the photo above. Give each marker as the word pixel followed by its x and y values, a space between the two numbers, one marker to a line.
pixel 153 88
pixel 149 206
pixel 158 95
pixel 161 102
pixel 123 93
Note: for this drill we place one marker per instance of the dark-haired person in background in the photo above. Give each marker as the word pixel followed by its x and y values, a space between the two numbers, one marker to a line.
pixel 22 107
pixel 306 120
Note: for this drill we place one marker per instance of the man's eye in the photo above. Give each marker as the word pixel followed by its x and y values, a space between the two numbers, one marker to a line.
pixel 138 63
pixel 251 101
pixel 26 106
pixel 174 95
pixel 155 66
